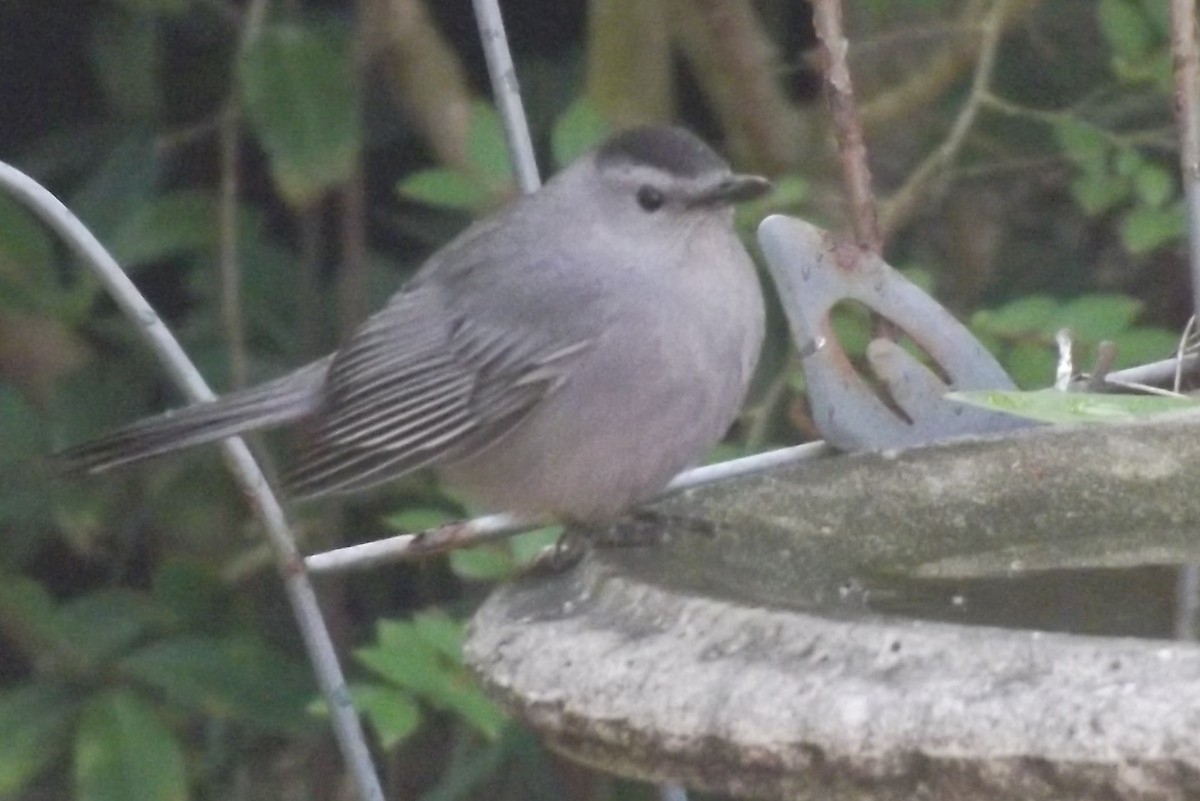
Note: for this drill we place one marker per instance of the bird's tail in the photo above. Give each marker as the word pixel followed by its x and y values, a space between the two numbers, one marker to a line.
pixel 275 403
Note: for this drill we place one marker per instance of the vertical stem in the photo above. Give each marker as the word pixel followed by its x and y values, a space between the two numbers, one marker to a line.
pixel 228 264
pixel 1186 60
pixel 507 92
pixel 310 337
pixel 352 217
pixel 852 153
pixel 245 470
pixel 1185 57
pixel 735 61
pixel 629 69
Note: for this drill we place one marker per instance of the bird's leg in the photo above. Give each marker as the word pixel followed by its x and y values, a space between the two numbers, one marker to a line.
pixel 565 553
pixel 647 527
pixel 641 528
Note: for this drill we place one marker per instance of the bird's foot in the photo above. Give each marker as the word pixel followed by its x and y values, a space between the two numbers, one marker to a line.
pixel 647 527
pixel 565 553
pixel 639 529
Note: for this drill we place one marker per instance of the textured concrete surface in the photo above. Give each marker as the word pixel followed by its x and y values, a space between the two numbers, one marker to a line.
pixel 750 662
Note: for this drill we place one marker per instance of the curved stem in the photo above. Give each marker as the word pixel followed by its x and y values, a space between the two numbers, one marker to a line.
pixel 245 470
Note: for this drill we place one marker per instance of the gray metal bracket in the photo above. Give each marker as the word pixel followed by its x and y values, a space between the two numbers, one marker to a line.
pixel 814 272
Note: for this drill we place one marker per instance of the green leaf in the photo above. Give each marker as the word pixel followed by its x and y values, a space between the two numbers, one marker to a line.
pixel 1031 364
pixel 487 149
pixel 165 226
pixel 1098 192
pixel 1126 30
pixel 35 722
pixel 1084 144
pixel 127 54
pixel 527 546
pixel 123 180
pixel 406 656
pixel 194 594
pixel 1052 406
pixel 1128 162
pixel 22 429
pixel 851 328
pixel 1092 318
pixel 301 98
pixel 123 751
pixel 27 609
pixel 1144 344
pixel 420 518
pixel 98 626
pixel 578 130
pixel 171 7
pixel 1153 185
pixel 486 562
pixel 442 632
pixel 1032 314
pixel 227 677
pixel 445 189
pixel 25 248
pixel 1144 229
pixel 391 711
pixel 402 657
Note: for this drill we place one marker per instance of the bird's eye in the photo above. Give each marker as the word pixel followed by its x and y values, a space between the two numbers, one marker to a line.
pixel 650 198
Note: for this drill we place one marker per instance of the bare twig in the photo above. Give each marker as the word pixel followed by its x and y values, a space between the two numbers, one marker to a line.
pixel 1181 352
pixel 228 263
pixel 423 73
pixel 484 529
pixel 1066 365
pixel 247 473
pixel 507 93
pixel 736 64
pixel 630 77
pixel 943 69
pixel 904 203
pixel 1185 56
pixel 1106 357
pixel 352 208
pixel 852 152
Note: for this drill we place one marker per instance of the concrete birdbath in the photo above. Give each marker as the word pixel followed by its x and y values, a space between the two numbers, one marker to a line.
pixel 756 661
pixel 894 624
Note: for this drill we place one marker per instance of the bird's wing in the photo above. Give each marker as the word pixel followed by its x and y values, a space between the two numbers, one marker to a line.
pixel 417 386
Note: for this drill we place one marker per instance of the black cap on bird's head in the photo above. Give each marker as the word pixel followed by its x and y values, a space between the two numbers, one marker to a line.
pixel 681 155
pixel 670 149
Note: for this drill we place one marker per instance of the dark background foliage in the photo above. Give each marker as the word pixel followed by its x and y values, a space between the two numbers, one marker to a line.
pixel 269 172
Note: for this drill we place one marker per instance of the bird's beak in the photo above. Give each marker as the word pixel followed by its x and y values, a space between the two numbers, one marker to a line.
pixel 733 189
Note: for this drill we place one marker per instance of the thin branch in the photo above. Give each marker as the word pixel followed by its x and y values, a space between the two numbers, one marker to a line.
pixel 228 265
pixel 507 93
pixel 352 206
pixel 492 527
pixel 245 470
pixel 1185 56
pixel 1186 346
pixel 904 203
pixel 929 83
pixel 630 75
pixel 762 417
pixel 1066 365
pixel 737 66
pixel 423 73
pixel 852 152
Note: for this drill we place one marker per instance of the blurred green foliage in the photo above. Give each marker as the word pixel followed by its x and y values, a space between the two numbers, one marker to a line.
pixel 146 650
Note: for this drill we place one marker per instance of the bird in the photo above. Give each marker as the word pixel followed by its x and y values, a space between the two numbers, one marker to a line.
pixel 564 357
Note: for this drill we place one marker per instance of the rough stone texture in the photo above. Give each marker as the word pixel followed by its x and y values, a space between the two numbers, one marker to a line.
pixel 741 662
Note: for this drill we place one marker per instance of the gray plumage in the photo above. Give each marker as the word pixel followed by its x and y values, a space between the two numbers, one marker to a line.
pixel 566 356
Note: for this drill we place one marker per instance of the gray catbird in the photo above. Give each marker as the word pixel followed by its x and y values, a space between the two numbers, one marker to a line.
pixel 566 356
